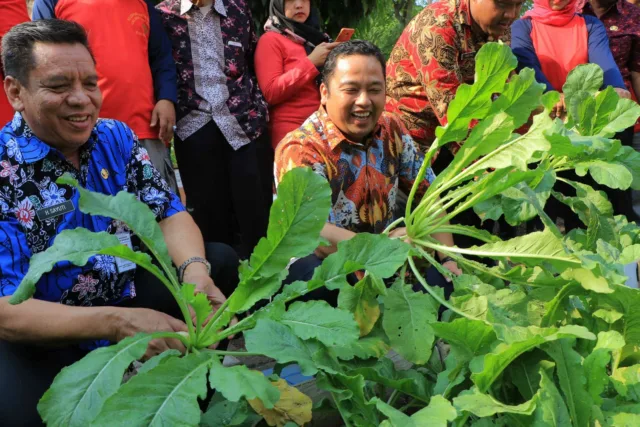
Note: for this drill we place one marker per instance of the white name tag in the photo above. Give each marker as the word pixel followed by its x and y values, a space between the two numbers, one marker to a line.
pixel 236 44
pixel 123 264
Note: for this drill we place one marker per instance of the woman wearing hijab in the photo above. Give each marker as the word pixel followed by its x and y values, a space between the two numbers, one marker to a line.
pixel 553 39
pixel 288 61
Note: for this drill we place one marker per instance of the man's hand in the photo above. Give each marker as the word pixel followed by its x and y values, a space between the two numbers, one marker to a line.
pixel 560 109
pixel 452 266
pixel 204 284
pixel 164 115
pixel 131 321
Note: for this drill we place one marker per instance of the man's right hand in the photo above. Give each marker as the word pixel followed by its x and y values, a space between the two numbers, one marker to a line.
pixel 320 53
pixel 130 321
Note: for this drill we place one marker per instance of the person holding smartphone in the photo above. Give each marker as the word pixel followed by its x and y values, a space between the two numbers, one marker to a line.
pixel 288 62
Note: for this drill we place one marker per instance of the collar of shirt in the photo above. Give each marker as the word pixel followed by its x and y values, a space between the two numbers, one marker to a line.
pixel 187 5
pixel 32 148
pixel 335 136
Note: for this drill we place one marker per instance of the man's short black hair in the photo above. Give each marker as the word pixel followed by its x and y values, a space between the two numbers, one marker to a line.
pixel 352 47
pixel 17 44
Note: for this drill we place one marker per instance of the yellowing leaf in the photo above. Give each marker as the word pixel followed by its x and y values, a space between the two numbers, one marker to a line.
pixel 293 406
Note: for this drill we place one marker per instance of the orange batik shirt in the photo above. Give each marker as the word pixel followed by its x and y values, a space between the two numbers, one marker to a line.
pixel 434 55
pixel 364 177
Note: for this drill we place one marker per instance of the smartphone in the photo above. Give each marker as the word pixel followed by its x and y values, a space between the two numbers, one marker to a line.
pixel 345 35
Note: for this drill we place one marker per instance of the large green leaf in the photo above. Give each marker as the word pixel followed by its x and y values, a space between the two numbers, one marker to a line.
pixel 484 138
pixel 375 253
pixel 375 344
pixel 518 152
pixel 573 382
pixel 76 246
pixel 361 301
pixel 595 364
pixel 166 395
pixel 551 410
pixel 612 174
pixel 471 337
pixel 627 382
pixel 223 413
pixel 297 217
pixel 531 250
pixel 317 319
pixel 520 97
pixel 586 77
pixel 136 215
pixel 494 63
pixel 517 340
pixel 239 382
pixel 349 394
pixel 581 108
pixel 410 382
pixel 483 405
pixel 406 320
pixel 623 117
pixel 437 414
pixel 625 300
pixel 278 341
pixel 79 391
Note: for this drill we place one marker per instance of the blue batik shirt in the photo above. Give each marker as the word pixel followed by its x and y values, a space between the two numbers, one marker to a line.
pixel 110 161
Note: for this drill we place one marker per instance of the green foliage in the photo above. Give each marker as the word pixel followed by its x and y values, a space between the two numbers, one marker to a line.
pixel 545 336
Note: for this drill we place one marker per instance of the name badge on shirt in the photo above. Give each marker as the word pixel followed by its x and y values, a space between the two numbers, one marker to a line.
pixel 54 211
pixel 236 44
pixel 123 264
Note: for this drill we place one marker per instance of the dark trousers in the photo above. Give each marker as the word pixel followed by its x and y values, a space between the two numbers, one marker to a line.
pixel 26 371
pixel 229 192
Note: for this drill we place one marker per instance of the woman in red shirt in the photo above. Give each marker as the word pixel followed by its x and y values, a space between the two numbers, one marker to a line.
pixel 288 61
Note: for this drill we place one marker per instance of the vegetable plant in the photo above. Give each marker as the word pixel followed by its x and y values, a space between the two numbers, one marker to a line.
pixel 544 333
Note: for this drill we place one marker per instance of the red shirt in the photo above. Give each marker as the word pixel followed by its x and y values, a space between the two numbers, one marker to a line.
pixel 286 77
pixel 118 33
pixel 434 55
pixel 13 12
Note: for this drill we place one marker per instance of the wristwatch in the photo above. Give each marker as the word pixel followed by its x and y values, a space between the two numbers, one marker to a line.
pixel 190 261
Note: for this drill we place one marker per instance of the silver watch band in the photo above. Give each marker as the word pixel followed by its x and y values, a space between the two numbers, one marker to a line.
pixel 190 261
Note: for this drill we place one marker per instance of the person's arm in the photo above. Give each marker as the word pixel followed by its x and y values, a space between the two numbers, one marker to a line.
pixel 44 9
pixel 163 71
pixel 522 47
pixel 635 83
pixel 276 85
pixel 634 65
pixel 48 323
pixel 600 53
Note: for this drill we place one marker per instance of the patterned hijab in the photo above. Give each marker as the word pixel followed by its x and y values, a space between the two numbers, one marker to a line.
pixel 307 33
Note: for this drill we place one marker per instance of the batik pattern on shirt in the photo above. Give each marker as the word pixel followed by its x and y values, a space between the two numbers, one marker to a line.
pixel 622 22
pixel 110 161
pixel 364 177
pixel 224 38
pixel 434 55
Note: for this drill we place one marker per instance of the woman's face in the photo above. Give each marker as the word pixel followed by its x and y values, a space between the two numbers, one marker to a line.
pixel 297 10
pixel 559 4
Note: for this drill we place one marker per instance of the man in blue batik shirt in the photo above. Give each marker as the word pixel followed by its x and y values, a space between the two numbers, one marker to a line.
pixel 51 83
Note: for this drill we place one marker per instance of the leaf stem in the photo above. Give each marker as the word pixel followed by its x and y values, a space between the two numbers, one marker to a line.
pixel 425 285
pixel 487 254
pixel 393 225
pixel 393 397
pixel 421 173
pixel 207 329
pixel 340 410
